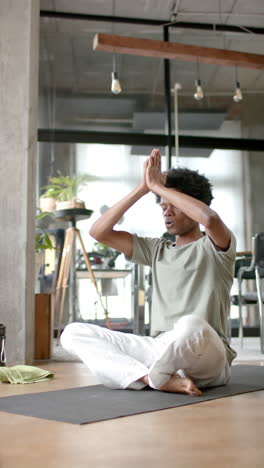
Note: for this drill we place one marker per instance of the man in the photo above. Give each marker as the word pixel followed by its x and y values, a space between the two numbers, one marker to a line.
pixel 192 278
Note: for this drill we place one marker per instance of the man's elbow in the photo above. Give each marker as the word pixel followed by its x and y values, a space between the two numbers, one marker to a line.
pixel 98 234
pixel 95 233
pixel 211 220
pixel 92 233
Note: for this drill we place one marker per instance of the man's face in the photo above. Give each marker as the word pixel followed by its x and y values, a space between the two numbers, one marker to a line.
pixel 176 222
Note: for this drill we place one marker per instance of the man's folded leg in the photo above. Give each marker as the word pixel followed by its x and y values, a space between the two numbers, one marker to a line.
pixel 193 350
pixel 117 359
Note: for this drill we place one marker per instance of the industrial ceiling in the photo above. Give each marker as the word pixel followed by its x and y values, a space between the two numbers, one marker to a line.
pixel 76 80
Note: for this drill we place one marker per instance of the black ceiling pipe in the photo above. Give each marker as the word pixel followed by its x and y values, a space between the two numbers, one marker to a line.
pixel 152 22
pixel 148 139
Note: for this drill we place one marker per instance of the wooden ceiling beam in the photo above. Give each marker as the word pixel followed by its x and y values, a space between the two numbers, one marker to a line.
pixel 171 50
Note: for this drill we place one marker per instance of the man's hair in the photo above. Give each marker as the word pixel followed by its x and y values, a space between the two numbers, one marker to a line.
pixel 191 183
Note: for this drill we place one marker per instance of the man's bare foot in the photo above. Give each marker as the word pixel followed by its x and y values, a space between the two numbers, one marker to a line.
pixel 178 384
pixel 144 379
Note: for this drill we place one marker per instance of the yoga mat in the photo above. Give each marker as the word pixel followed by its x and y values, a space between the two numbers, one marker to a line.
pixel 83 405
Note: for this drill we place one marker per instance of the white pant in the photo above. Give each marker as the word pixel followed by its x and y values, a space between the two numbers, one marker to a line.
pixel 118 360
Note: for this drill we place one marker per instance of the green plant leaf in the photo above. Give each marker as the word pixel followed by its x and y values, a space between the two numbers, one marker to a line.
pixel 64 188
pixel 42 239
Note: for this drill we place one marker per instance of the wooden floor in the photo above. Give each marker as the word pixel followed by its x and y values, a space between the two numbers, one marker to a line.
pixel 224 433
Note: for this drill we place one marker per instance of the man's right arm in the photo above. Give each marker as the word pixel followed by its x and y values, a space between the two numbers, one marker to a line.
pixel 102 230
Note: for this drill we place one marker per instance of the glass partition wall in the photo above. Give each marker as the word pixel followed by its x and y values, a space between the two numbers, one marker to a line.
pixel 113 172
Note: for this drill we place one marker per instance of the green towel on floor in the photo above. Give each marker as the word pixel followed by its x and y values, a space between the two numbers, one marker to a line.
pixel 24 374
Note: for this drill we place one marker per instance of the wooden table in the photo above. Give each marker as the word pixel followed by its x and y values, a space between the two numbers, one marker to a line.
pixel 104 273
pixel 113 273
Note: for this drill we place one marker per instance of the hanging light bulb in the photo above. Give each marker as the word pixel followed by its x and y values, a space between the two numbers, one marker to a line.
pixel 238 93
pixel 199 94
pixel 115 87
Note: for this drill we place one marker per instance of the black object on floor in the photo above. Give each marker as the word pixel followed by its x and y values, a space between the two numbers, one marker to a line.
pixel 83 405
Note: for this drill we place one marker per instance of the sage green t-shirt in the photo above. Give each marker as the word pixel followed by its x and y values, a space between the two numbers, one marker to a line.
pixel 195 278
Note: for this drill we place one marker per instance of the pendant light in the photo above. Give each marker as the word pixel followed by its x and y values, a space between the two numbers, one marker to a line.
pixel 199 94
pixel 238 93
pixel 115 85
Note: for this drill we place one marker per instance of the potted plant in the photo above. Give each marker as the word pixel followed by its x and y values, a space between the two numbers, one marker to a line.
pixel 47 201
pixel 64 190
pixel 42 239
pixel 107 254
pixel 42 243
pixel 103 249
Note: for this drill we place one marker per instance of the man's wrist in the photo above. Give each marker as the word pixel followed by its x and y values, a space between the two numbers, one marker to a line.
pixel 142 190
pixel 156 188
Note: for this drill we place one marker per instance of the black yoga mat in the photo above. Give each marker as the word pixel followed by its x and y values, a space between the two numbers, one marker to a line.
pixel 83 405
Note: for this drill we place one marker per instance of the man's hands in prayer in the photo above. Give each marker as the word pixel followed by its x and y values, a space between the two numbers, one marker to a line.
pixel 143 185
pixel 152 175
pixel 153 170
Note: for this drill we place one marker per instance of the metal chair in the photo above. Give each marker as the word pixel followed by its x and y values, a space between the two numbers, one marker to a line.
pixel 251 268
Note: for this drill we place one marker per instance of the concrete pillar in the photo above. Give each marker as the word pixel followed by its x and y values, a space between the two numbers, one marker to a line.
pixel 19 57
